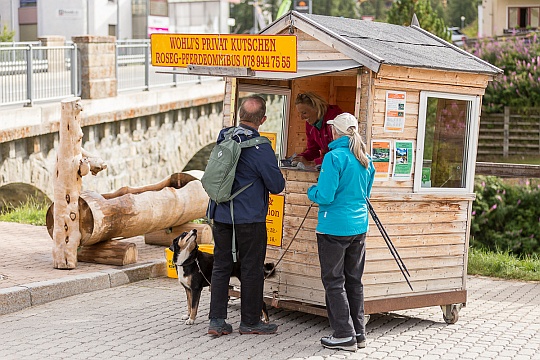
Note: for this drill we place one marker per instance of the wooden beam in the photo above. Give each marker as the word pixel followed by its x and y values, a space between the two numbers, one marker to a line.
pixel 508 170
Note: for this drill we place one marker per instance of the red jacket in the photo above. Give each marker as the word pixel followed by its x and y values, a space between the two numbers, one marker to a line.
pixel 318 140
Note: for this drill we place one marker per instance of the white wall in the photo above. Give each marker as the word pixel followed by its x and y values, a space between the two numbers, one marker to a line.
pixel 70 18
pixel 198 17
pixel 8 16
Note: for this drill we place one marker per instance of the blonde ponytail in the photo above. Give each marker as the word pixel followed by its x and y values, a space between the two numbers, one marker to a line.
pixel 358 147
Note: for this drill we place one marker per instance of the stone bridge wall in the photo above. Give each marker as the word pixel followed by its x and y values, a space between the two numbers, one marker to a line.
pixel 143 138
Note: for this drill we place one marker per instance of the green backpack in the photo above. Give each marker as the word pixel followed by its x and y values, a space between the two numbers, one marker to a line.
pixel 220 171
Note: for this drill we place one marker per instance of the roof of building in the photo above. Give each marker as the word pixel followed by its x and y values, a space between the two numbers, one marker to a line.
pixel 372 44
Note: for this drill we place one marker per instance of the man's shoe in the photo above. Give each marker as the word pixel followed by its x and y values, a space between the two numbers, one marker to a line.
pixel 261 328
pixel 361 341
pixel 347 344
pixel 219 327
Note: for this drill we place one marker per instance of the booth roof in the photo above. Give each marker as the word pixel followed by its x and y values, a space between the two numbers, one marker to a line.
pixel 382 43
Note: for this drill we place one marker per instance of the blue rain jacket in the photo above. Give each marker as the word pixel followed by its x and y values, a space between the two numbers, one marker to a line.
pixel 259 164
pixel 341 190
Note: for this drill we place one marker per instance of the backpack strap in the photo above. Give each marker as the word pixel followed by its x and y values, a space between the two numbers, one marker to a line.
pixel 258 140
pixel 243 144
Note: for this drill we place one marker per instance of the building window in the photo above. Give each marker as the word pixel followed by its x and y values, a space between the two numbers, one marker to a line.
pixel 523 17
pixel 28 3
pixel 447 138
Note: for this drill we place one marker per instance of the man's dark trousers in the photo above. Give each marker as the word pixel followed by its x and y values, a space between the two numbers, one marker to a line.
pixel 251 247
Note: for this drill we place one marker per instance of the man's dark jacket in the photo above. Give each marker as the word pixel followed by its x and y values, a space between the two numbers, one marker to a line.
pixel 259 164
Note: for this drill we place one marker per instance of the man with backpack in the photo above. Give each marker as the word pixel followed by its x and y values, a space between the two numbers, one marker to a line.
pixel 242 226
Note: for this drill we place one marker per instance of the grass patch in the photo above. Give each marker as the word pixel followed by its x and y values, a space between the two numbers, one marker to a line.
pixel 30 212
pixel 503 265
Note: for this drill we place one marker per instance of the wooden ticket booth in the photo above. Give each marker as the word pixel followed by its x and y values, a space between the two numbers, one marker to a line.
pixel 417 99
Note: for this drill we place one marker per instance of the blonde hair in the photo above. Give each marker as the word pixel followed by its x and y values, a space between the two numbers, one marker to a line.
pixel 356 145
pixel 313 100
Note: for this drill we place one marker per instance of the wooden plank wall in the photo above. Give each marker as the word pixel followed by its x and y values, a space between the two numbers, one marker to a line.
pixel 412 81
pixel 428 232
pixel 509 134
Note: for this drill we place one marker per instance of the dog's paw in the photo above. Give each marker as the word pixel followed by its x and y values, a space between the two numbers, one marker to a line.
pixel 190 322
pixel 184 317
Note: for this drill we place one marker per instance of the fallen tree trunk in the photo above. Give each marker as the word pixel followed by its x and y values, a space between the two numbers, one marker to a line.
pixel 136 214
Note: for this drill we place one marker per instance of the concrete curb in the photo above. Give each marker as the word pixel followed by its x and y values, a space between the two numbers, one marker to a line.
pixel 23 296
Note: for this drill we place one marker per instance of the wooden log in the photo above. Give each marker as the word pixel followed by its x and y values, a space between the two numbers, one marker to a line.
pixel 136 214
pixel 67 186
pixel 176 180
pixel 165 237
pixel 110 252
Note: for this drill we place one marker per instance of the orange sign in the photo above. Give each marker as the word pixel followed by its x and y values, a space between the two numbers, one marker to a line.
pixel 274 219
pixel 257 52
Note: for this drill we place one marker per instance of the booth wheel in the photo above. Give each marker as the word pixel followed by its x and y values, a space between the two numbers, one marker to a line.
pixel 451 313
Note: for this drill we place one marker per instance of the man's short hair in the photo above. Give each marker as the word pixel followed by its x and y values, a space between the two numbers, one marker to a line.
pixel 252 110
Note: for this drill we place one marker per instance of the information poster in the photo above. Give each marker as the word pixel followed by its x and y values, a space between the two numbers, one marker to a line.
pixel 394 116
pixel 274 219
pixel 381 154
pixel 403 160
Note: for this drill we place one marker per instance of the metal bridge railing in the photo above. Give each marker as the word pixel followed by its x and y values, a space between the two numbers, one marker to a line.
pixel 134 70
pixel 30 72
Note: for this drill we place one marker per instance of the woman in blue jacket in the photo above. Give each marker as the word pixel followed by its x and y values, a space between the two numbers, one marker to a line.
pixel 344 183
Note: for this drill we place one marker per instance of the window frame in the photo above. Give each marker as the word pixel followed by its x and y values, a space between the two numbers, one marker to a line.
pixel 273 90
pixel 471 141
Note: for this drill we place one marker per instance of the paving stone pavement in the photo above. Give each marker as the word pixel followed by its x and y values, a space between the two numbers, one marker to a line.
pixel 141 319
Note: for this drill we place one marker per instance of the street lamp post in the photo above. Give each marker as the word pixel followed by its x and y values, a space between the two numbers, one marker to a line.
pixel 462 21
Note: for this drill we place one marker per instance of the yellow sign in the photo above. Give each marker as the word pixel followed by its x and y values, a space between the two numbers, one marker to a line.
pixel 257 52
pixel 271 136
pixel 274 219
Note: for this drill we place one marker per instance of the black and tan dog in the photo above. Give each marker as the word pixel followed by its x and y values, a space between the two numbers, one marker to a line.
pixel 194 269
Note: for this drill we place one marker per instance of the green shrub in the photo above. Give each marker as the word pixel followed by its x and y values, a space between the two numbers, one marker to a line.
pixel 506 217
pixel 519 58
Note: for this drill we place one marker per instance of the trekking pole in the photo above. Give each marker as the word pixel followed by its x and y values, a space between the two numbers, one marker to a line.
pixel 294 237
pixel 389 243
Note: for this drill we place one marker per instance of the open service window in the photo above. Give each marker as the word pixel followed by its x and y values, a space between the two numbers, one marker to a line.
pixel 277 113
pixel 447 140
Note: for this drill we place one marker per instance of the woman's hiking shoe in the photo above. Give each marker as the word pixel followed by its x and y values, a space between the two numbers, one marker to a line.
pixel 261 328
pixel 361 341
pixel 219 327
pixel 347 344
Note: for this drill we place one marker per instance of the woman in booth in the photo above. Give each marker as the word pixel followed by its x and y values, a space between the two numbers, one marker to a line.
pixel 316 112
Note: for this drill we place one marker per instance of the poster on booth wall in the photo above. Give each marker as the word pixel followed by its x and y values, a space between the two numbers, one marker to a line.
pixel 394 116
pixel 380 155
pixel 274 219
pixel 403 160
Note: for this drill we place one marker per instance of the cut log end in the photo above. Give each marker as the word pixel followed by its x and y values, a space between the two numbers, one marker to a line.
pixel 111 252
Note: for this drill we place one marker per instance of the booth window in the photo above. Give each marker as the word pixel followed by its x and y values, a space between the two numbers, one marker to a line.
pixel 277 113
pixel 447 138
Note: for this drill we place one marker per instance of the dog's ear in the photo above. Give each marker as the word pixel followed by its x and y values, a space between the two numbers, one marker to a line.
pixel 269 270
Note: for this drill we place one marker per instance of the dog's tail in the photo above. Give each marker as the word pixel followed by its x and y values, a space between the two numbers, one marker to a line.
pixel 269 270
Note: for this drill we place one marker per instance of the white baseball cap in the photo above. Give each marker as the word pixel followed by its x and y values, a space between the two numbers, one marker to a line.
pixel 344 121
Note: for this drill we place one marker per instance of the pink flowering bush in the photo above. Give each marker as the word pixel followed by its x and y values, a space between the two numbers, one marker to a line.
pixel 519 58
pixel 506 217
